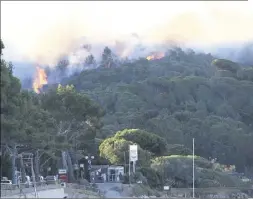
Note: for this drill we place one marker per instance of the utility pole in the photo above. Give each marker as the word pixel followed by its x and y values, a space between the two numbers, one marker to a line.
pixel 193 168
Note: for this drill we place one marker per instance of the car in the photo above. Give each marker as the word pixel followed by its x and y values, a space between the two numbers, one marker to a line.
pixel 6 184
pixel 50 180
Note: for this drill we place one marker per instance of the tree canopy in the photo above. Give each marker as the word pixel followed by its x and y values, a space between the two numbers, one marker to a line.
pixel 180 96
pixel 147 141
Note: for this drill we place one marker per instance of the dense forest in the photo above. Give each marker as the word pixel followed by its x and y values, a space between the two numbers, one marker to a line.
pixel 181 96
pixel 158 104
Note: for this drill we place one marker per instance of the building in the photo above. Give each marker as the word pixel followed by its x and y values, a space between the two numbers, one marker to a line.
pixel 106 173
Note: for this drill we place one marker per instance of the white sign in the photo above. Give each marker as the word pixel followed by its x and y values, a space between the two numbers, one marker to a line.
pixel 62 171
pixel 133 153
pixel 166 188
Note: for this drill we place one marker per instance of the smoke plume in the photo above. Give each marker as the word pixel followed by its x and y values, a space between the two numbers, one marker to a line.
pixel 42 32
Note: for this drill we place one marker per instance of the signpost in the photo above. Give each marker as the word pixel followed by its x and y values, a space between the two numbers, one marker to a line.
pixel 167 189
pixel 133 153
pixel 133 157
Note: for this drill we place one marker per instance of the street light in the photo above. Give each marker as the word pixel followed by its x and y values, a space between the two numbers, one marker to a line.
pixel 89 158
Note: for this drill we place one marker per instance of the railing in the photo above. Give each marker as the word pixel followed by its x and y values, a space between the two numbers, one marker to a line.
pixel 187 192
pixel 210 189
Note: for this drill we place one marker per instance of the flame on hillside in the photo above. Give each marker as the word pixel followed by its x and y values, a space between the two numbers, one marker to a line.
pixel 154 56
pixel 39 80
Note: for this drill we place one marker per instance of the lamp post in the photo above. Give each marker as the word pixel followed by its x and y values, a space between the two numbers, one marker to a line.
pixel 89 158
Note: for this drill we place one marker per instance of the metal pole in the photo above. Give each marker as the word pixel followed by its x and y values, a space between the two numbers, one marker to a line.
pixel 193 169
pixel 34 180
pixel 124 162
pixel 134 166
pixel 129 169
pixel 13 165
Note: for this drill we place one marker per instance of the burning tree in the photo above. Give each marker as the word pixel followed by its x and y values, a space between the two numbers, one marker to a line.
pixel 156 55
pixel 39 80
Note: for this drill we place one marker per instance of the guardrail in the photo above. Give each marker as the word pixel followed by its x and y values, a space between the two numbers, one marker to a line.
pixel 211 189
pixel 187 192
pixel 22 188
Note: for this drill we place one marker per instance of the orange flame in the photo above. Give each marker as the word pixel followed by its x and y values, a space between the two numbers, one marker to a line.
pixel 154 56
pixel 40 79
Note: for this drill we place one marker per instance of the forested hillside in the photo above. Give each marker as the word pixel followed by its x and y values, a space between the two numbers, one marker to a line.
pixel 158 104
pixel 181 96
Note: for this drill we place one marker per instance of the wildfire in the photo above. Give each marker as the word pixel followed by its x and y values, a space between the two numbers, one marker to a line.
pixel 39 80
pixel 154 56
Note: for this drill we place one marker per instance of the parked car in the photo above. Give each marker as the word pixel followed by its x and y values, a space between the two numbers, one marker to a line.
pixel 51 180
pixel 6 184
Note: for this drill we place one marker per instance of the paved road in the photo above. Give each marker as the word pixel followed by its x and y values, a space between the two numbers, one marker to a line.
pixel 16 191
pixel 110 189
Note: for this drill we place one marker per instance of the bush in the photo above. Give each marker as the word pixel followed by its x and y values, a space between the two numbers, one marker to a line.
pixel 178 149
pixel 153 178
pixel 147 141
pixel 115 149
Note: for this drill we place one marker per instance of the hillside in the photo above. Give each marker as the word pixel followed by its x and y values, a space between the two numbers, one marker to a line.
pixel 180 96
pixel 159 105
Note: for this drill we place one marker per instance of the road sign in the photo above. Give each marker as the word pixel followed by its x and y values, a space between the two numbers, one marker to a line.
pixel 133 153
pixel 62 171
pixel 89 161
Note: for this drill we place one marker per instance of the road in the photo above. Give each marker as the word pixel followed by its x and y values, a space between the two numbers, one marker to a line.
pixel 111 190
pixel 43 192
pixel 6 192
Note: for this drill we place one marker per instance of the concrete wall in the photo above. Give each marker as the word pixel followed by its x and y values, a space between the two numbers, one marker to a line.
pixel 50 193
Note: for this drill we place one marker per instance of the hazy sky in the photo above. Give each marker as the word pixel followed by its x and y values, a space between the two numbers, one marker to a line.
pixel 40 31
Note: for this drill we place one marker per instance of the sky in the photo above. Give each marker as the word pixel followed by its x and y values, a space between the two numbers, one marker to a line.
pixel 42 31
